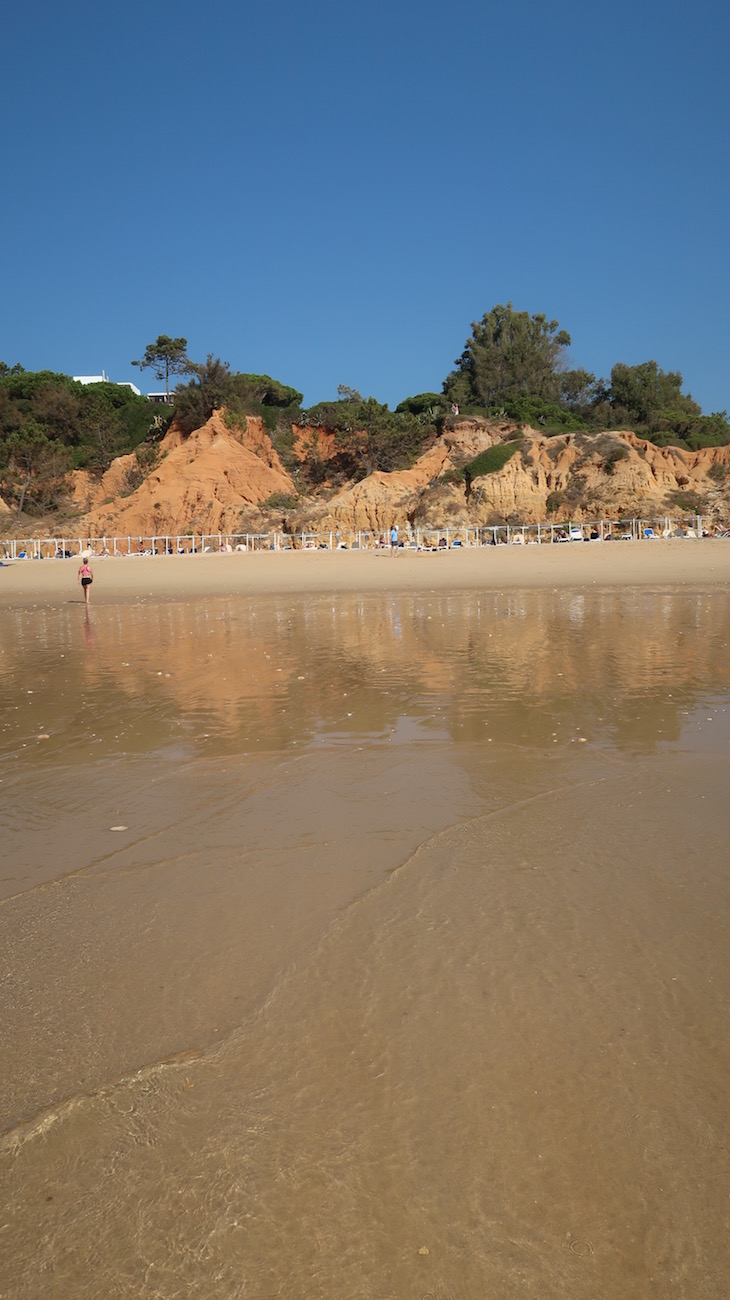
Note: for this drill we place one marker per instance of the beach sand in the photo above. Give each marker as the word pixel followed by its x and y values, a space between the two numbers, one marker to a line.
pixel 371 946
pixel 677 562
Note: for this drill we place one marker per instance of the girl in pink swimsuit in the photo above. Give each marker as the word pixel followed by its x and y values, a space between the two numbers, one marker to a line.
pixel 86 578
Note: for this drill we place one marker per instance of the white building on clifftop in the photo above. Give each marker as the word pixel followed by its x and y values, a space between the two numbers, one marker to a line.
pixel 104 379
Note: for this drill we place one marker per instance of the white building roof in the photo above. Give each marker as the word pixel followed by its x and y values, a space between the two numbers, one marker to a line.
pixel 104 379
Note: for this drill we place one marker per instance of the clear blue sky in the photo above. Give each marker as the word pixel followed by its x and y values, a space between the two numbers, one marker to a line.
pixel 332 193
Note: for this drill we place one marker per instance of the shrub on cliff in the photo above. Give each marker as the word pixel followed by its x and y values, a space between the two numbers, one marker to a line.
pixel 214 386
pixel 613 458
pixel 538 413
pixel 691 502
pixel 428 408
pixel 368 435
pixel 490 461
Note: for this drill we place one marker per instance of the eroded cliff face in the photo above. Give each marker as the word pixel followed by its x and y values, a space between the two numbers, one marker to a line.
pixel 221 479
pixel 576 476
pixel 587 476
pixel 202 482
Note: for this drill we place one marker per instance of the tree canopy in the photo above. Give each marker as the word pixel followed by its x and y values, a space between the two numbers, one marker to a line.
pixel 215 386
pixel 508 355
pixel 515 365
pixel 641 390
pixel 49 424
pixel 368 435
pixel 166 357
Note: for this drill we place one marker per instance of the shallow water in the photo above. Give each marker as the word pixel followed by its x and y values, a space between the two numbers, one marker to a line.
pixel 406 973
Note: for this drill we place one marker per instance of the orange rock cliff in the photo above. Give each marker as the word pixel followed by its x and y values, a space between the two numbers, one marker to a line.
pixel 221 479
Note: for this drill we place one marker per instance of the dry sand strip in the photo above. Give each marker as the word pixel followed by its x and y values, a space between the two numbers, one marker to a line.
pixel 656 563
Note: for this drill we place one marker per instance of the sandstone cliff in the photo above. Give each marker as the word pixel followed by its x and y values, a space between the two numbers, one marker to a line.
pixel 576 476
pixel 200 483
pixel 588 476
pixel 221 479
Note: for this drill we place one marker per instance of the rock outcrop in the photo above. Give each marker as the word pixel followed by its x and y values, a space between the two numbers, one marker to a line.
pixel 198 483
pixel 588 476
pixel 230 480
pixel 577 476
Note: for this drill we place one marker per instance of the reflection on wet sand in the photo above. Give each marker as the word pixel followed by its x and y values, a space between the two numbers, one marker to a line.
pixel 407 975
pixel 235 677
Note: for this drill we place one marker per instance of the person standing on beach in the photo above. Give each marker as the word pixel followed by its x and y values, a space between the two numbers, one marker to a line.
pixel 394 540
pixel 86 577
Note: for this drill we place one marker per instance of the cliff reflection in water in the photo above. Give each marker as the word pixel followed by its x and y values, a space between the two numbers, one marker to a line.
pixel 531 668
pixel 407 992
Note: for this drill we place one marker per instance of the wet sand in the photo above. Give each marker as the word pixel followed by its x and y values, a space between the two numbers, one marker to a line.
pixel 403 972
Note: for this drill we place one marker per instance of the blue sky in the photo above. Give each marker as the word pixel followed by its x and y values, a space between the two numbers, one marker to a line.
pixel 331 193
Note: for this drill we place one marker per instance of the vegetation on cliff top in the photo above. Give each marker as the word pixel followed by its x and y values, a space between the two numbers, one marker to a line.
pixel 513 368
pixel 166 357
pixel 49 424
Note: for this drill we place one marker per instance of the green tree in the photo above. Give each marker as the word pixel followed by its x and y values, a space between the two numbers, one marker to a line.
pixel 637 393
pixel 266 391
pixel 429 408
pixel 58 409
pixel 166 357
pixel 36 463
pixel 95 421
pixel 578 389
pixel 368 436
pixel 206 393
pixel 113 422
pixel 552 417
pixel 509 355
pixel 215 387
pixel 372 437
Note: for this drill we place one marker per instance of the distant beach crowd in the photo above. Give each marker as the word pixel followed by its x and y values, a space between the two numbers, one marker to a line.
pixel 409 538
